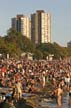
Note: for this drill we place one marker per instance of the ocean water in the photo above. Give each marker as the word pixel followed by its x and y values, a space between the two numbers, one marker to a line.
pixel 53 104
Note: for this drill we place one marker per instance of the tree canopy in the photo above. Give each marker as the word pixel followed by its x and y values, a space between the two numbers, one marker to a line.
pixel 15 43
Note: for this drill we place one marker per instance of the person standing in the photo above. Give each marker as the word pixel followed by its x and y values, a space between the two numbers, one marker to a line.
pixel 69 95
pixel 59 96
pixel 18 89
pixel 43 79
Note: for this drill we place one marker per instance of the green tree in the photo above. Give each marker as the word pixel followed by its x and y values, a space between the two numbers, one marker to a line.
pixel 17 42
pixel 3 47
pixel 38 54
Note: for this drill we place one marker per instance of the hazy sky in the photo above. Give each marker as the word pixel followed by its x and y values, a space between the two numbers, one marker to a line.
pixel 60 11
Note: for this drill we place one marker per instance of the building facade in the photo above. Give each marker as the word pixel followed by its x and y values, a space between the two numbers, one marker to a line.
pixel 69 44
pixel 40 27
pixel 22 24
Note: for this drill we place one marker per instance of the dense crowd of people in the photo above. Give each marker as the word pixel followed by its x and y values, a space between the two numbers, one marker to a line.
pixel 30 76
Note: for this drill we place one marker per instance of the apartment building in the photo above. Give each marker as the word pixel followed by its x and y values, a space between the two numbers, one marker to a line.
pixel 22 24
pixel 40 27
